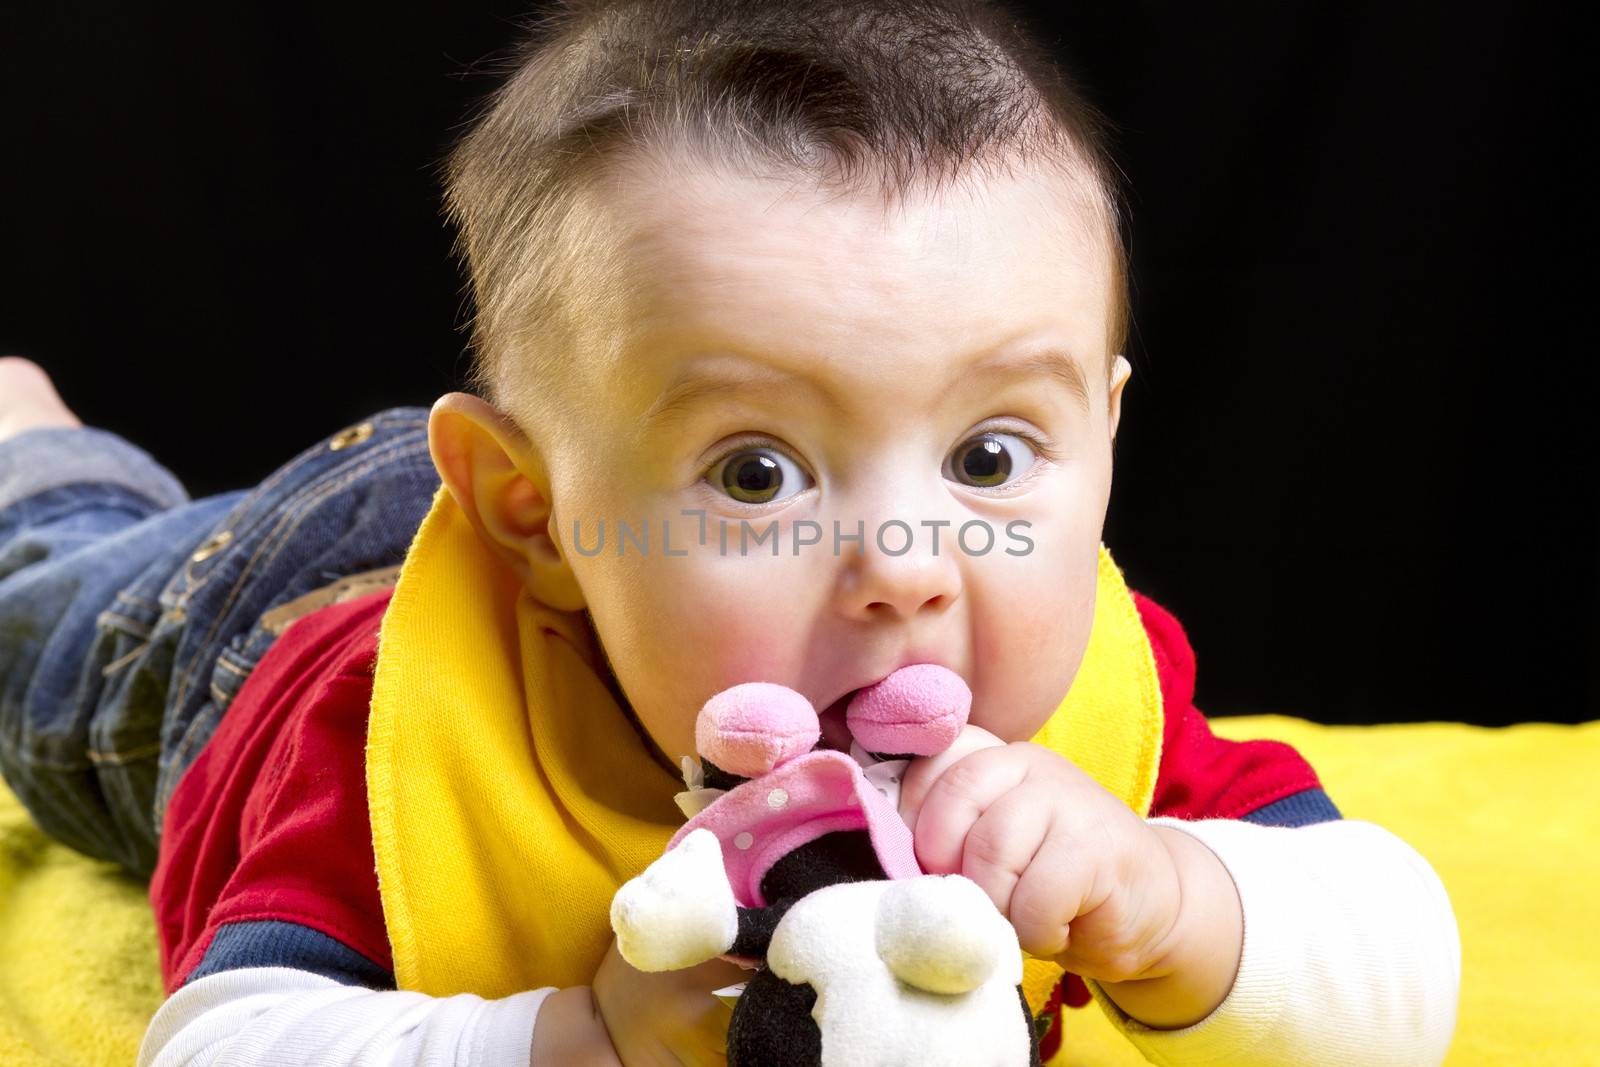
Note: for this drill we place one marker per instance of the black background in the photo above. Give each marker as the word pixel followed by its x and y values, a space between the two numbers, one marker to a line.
pixel 1356 455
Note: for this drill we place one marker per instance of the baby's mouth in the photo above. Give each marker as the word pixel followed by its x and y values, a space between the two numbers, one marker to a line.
pixel 835 730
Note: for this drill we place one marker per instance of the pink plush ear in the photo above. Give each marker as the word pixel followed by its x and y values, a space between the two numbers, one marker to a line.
pixel 918 709
pixel 749 729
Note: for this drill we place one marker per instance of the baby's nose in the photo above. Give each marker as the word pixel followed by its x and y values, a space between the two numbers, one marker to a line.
pixel 750 728
pixel 918 710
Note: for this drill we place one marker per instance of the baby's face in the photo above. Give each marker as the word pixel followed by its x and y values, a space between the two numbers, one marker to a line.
pixel 786 365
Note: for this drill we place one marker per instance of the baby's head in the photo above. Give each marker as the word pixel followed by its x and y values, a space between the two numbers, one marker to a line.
pixel 757 269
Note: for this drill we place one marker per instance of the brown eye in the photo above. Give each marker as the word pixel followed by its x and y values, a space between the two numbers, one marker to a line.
pixel 759 475
pixel 988 460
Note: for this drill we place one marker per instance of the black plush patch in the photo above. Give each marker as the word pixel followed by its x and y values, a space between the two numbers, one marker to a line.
pixel 840 856
pixel 772 1024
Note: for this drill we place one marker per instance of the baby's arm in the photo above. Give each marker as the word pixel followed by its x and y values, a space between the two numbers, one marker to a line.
pixel 280 1016
pixel 277 1016
pixel 1350 954
pixel 274 946
pixel 1350 949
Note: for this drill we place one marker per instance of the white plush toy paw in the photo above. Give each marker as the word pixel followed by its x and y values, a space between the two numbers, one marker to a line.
pixel 941 934
pixel 680 910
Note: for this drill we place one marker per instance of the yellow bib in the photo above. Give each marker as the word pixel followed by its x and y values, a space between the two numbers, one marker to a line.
pixel 510 795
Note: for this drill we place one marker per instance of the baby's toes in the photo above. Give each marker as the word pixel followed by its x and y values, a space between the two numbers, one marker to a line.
pixel 28 398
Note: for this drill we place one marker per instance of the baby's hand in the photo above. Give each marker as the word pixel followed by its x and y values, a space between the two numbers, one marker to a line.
pixel 1084 880
pixel 666 1017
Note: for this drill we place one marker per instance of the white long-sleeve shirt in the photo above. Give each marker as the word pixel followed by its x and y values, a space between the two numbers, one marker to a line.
pixel 1350 956
pixel 1351 953
pixel 282 1017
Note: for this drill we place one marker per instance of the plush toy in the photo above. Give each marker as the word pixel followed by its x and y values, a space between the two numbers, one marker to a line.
pixel 795 863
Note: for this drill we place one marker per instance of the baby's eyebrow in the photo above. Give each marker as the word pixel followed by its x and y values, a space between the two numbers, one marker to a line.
pixel 1053 363
pixel 697 382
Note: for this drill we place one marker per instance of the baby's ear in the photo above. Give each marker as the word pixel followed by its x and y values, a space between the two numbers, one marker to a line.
pixel 1121 371
pixel 501 484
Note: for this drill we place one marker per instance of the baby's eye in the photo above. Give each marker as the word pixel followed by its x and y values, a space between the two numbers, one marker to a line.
pixel 987 460
pixel 758 476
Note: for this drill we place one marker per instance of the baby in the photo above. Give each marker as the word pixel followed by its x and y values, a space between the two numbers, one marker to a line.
pixel 798 337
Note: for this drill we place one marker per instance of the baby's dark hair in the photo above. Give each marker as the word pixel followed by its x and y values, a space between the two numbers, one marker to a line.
pixel 880 96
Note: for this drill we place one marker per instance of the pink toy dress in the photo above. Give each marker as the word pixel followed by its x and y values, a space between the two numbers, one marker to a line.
pixel 797 792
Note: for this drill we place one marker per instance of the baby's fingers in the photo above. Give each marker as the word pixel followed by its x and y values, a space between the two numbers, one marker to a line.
pixel 955 802
pixel 1002 844
pixel 926 770
pixel 1047 896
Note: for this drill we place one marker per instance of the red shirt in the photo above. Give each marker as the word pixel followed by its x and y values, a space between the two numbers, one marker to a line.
pixel 269 825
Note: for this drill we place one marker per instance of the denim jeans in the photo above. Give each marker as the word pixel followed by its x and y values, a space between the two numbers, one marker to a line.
pixel 131 615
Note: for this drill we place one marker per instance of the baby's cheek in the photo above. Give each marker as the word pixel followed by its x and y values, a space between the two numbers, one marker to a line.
pixel 699 653
pixel 1006 720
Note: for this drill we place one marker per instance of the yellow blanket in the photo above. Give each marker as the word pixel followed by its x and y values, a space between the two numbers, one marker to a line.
pixel 1510 819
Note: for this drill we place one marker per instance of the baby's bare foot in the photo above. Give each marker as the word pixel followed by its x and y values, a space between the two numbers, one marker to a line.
pixel 28 399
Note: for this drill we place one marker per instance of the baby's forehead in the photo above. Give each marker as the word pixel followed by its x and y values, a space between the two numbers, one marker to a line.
pixel 691 249
pixel 652 204
pixel 671 266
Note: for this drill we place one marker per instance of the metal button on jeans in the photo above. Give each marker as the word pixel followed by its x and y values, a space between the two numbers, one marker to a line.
pixel 353 436
pixel 212 546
